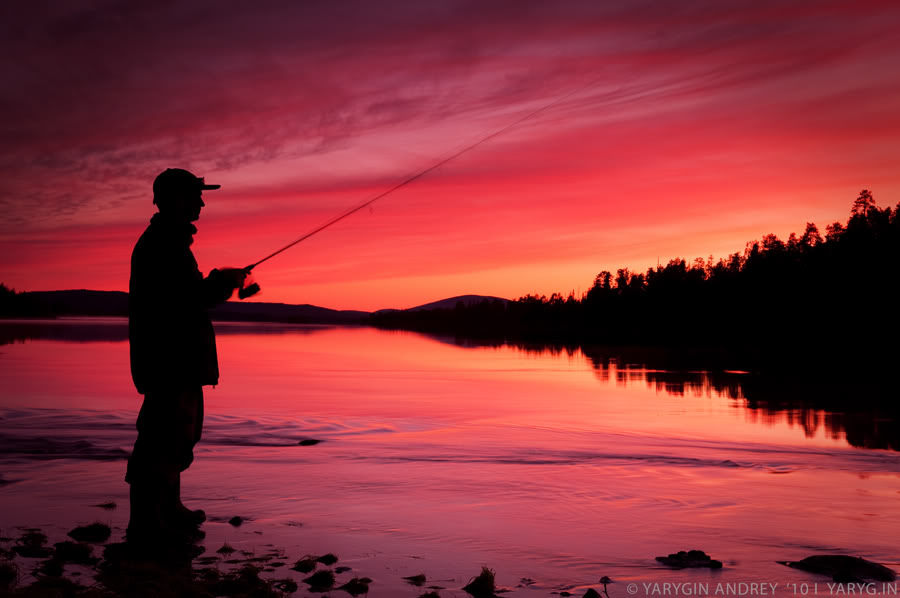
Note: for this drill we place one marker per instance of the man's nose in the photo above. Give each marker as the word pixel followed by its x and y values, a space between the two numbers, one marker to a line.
pixel 201 202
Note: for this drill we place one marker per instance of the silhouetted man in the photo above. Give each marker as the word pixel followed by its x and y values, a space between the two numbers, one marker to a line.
pixel 173 355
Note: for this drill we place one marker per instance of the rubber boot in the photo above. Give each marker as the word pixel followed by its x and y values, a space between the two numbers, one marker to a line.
pixel 147 527
pixel 182 516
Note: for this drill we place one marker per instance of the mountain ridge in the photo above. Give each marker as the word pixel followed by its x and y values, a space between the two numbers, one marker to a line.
pixel 86 302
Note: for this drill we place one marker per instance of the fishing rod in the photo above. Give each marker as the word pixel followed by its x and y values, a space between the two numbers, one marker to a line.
pixel 252 289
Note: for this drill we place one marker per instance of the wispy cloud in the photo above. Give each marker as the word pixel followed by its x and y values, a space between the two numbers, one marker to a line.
pixel 324 100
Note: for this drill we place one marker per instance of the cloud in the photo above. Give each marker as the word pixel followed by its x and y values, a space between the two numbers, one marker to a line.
pixel 334 102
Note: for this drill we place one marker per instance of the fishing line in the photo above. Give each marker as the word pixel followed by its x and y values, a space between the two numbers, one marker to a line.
pixel 419 175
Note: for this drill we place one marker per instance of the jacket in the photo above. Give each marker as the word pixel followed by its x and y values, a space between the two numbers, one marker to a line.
pixel 171 338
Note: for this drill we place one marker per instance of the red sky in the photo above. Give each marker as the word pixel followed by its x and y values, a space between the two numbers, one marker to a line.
pixel 692 127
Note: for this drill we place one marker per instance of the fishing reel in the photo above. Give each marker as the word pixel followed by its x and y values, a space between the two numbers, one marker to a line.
pixel 248 288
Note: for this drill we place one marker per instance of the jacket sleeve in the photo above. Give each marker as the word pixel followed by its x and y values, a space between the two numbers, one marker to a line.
pixel 214 289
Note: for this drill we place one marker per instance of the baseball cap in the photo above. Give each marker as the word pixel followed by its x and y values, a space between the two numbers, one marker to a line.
pixel 173 181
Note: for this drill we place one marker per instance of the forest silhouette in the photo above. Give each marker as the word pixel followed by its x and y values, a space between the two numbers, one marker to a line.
pixel 826 300
pixel 813 299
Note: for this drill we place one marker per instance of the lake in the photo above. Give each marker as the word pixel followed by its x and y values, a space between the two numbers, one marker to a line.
pixel 552 467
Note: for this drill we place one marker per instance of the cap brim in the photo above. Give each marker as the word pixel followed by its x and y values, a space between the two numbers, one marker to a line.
pixel 209 187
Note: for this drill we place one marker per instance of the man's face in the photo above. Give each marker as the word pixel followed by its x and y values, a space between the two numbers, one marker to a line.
pixel 189 205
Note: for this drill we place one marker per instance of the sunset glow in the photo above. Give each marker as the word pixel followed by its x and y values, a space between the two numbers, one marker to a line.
pixel 686 130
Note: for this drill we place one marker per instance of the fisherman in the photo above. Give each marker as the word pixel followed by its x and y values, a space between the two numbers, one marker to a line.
pixel 173 356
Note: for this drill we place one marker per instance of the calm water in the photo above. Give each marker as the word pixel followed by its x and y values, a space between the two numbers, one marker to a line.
pixel 559 467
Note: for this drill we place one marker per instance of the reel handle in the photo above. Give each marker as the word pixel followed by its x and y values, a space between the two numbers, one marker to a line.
pixel 251 289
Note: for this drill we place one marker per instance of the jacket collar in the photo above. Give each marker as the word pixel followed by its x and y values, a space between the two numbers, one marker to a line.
pixel 176 229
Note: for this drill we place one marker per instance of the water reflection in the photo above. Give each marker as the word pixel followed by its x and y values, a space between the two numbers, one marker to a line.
pixel 863 412
pixel 696 383
pixel 74 330
pixel 91 330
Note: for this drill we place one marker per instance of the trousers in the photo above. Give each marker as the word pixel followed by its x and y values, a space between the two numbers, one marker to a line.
pixel 169 426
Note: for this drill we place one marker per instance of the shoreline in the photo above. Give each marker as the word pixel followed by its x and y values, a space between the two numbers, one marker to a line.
pixel 35 563
pixel 273 544
pixel 91 562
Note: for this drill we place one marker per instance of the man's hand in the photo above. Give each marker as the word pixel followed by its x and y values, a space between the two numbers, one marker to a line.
pixel 234 277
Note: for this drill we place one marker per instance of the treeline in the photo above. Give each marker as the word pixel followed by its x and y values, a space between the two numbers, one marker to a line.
pixel 50 304
pixel 13 304
pixel 812 296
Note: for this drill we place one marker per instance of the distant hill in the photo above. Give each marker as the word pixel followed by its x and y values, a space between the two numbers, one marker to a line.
pixel 450 303
pixel 115 303
pixel 284 312
pixel 84 302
